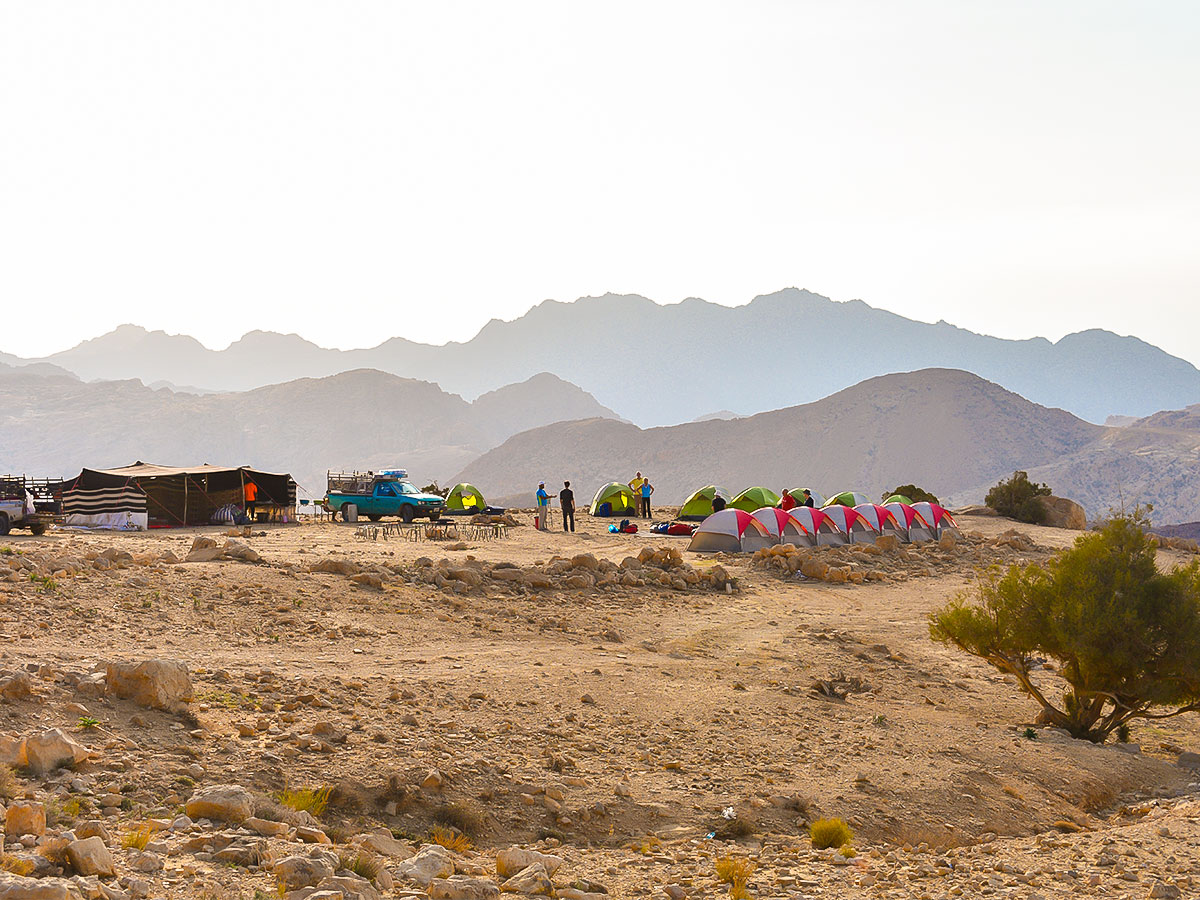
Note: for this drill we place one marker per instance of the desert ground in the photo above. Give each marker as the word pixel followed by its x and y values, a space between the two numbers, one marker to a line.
pixel 630 723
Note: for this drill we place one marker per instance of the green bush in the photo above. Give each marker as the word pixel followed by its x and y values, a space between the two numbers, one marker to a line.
pixel 1125 636
pixel 1016 498
pixel 913 493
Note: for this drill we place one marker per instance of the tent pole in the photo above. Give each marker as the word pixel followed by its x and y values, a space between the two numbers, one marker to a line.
pixel 186 479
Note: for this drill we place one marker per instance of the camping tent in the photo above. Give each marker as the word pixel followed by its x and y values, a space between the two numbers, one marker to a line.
pixel 852 523
pixel 699 505
pixel 170 496
pixel 818 498
pixel 914 526
pixel 846 498
pixel 810 527
pixel 938 517
pixel 774 521
pixel 882 519
pixel 619 496
pixel 754 498
pixel 464 499
pixel 897 498
pixel 726 532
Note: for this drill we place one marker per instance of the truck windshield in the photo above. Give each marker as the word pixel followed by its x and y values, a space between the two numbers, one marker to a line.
pixel 406 487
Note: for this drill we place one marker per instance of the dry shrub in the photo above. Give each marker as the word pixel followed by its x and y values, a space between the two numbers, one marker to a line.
pixel 452 840
pixel 1095 796
pixel 731 869
pixel 310 800
pixel 460 816
pixel 826 833
pixel 138 838
pixel 939 839
pixel 10 786
pixel 364 865
pixel 55 850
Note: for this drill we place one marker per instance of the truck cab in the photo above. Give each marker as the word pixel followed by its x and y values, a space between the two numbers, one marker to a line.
pixel 376 495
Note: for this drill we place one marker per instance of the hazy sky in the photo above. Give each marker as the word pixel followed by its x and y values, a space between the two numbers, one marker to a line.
pixel 353 171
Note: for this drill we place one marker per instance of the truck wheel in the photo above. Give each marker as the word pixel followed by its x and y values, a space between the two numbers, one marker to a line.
pixel 5 525
pixel 374 517
pixel 38 529
pixel 407 513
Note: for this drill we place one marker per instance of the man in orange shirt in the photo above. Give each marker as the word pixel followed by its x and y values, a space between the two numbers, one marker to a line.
pixel 250 492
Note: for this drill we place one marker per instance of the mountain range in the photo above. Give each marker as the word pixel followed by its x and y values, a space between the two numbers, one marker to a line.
pixel 948 431
pixel 661 365
pixel 51 423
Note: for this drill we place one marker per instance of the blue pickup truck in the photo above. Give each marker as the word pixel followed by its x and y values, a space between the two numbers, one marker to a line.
pixel 380 494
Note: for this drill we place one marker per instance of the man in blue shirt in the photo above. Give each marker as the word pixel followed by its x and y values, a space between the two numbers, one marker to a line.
pixel 647 490
pixel 543 507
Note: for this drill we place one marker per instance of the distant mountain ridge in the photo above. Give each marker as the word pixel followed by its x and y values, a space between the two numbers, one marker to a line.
pixel 53 424
pixel 668 364
pixel 948 431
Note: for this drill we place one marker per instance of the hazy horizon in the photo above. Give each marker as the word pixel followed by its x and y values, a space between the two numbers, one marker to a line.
pixel 1018 170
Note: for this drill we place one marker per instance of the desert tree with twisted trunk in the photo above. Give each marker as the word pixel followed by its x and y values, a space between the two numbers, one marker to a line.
pixel 1125 636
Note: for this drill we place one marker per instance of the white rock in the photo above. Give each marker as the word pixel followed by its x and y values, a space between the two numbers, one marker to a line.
pixel 156 683
pixel 90 857
pixel 53 748
pixel 430 862
pixel 223 802
pixel 510 862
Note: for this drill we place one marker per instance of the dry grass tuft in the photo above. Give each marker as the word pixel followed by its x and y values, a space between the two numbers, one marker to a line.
pixel 310 800
pixel 138 838
pixel 364 865
pixel 826 833
pixel 10 785
pixel 55 850
pixel 452 840
pixel 461 817
pixel 735 871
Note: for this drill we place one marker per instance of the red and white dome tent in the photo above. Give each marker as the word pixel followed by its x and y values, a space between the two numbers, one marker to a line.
pixel 914 526
pixel 853 524
pixel 725 531
pixel 882 519
pixel 811 527
pixel 938 517
pixel 774 520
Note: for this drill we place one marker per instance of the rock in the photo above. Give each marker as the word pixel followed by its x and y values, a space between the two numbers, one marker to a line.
pixel 510 862
pixel 461 887
pixel 157 683
pixel 351 886
pixel 266 827
pixel 14 887
pixel 146 861
pixel 975 510
pixel 93 828
pixel 1189 761
pixel 434 780
pixel 336 567
pixel 222 802
pixel 430 862
pixel 204 549
pixel 296 872
pixel 12 751
pixel 1160 889
pixel 90 857
pixel 25 817
pixel 675 891
pixel 16 687
pixel 368 580
pixel 887 542
pixel 1063 513
pixel 530 880
pixel 382 843
pixel 312 835
pixel 51 749
pixel 948 540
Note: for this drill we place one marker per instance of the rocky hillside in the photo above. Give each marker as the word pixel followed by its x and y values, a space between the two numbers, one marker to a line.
pixel 654 363
pixel 52 423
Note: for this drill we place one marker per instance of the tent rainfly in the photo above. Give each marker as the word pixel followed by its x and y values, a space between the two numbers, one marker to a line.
pixel 464 499
pixel 913 525
pixel 699 505
pixel 882 519
pixel 774 520
pixel 149 496
pixel 753 498
pixel 618 496
pixel 811 527
pixel 897 498
pixel 818 498
pixel 729 531
pixel 856 528
pixel 846 498
pixel 938 517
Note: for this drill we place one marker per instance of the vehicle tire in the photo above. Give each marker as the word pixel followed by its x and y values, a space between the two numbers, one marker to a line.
pixel 38 529
pixel 407 513
pixel 5 525
pixel 374 517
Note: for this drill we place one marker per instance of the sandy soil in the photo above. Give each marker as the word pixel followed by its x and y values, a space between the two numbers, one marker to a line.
pixel 612 727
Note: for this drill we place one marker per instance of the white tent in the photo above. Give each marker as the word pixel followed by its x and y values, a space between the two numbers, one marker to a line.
pixel 810 527
pixel 852 524
pixel 914 526
pixel 725 532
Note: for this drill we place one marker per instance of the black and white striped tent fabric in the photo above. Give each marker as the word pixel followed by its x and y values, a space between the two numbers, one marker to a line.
pixel 122 507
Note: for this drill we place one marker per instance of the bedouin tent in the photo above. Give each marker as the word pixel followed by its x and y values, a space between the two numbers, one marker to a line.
pixel 725 531
pixel 619 496
pixel 173 496
pixel 753 498
pixel 846 498
pixel 897 498
pixel 774 521
pixel 464 499
pixel 938 517
pixel 882 519
pixel 810 527
pixel 699 505
pixel 818 498
pixel 914 525
pixel 851 523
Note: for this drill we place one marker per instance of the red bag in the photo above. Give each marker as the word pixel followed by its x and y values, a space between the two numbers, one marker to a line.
pixel 629 529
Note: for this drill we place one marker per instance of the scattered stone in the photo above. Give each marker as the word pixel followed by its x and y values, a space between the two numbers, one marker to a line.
pixel 533 879
pixel 156 683
pixel 25 817
pixel 430 862
pixel 52 749
pixel 296 872
pixel 91 857
pixel 221 802
pixel 510 862
pixel 462 887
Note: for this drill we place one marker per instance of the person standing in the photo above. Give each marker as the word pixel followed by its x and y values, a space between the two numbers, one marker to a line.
pixel 566 499
pixel 808 500
pixel 647 490
pixel 787 501
pixel 718 503
pixel 543 507
pixel 636 484
pixel 250 494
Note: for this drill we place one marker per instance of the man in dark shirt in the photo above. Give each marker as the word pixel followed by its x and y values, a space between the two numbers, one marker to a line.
pixel 718 503
pixel 566 499
pixel 808 501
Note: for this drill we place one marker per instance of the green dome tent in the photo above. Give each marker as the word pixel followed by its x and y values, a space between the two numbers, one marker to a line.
pixel 699 505
pixel 753 498
pixel 464 498
pixel 847 498
pixel 817 497
pixel 897 498
pixel 619 496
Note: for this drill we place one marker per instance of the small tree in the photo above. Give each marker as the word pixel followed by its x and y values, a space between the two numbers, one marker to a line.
pixel 1016 498
pixel 913 493
pixel 1125 636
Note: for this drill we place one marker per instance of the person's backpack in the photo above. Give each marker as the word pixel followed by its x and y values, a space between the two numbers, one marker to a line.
pixel 604 509
pixel 624 524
